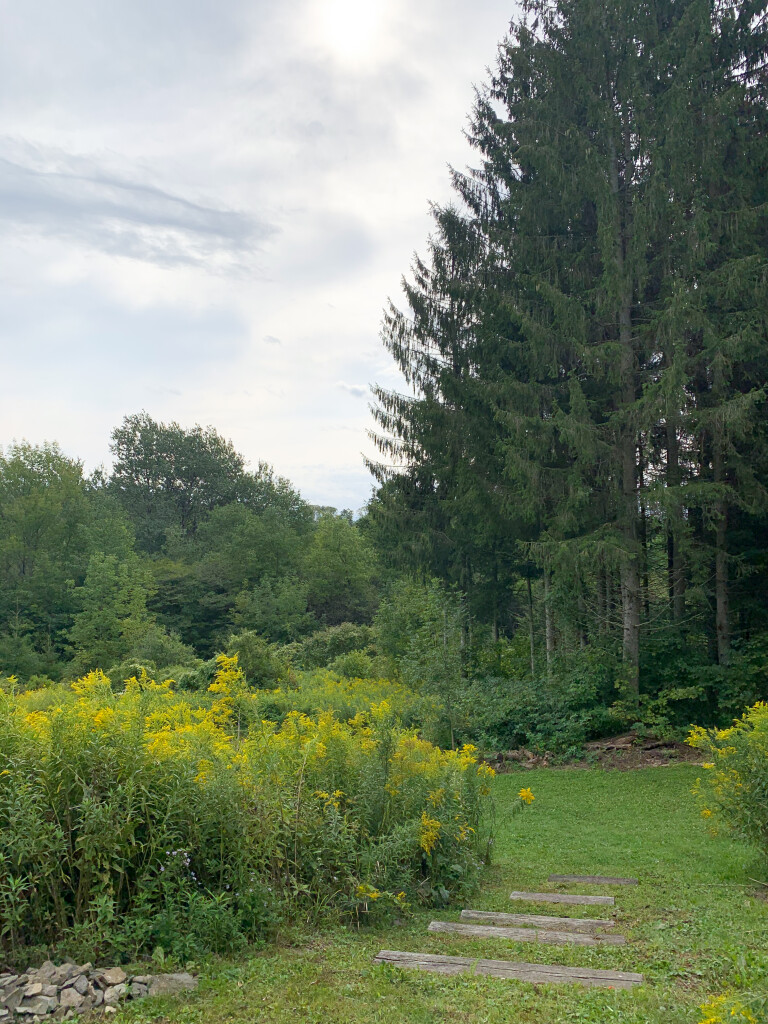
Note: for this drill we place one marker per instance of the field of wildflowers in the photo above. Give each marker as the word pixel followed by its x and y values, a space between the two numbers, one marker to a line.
pixel 137 816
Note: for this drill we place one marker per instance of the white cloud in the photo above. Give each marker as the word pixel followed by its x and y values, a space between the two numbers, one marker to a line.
pixel 356 390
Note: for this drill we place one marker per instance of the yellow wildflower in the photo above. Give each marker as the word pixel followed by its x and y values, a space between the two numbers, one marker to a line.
pixel 429 833
pixel 526 795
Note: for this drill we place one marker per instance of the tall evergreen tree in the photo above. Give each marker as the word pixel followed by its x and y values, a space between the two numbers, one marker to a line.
pixel 602 290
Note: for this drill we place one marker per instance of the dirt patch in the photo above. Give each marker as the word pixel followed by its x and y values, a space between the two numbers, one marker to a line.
pixel 619 752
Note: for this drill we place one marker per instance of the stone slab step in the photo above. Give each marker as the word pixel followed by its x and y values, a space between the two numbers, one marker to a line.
pixel 538 974
pixel 552 938
pixel 563 924
pixel 593 879
pixel 562 897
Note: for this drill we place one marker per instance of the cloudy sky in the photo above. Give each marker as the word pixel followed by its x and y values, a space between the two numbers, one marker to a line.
pixel 205 204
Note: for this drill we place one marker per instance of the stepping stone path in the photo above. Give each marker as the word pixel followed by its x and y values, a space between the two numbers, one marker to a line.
pixel 554 938
pixel 592 880
pixel 528 928
pixel 536 973
pixel 563 897
pixel 564 924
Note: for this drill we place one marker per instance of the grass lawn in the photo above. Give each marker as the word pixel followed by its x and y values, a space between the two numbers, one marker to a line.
pixel 695 924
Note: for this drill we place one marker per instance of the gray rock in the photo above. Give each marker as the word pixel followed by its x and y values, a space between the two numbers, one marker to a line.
pixel 98 997
pixel 80 984
pixel 64 972
pixel 70 997
pixel 12 996
pixel 171 984
pixel 37 1005
pixel 46 971
pixel 138 989
pixel 142 979
pixel 34 988
pixel 114 976
pixel 110 1009
pixel 8 979
pixel 114 993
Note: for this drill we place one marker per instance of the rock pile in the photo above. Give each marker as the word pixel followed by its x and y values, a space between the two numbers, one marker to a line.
pixel 71 989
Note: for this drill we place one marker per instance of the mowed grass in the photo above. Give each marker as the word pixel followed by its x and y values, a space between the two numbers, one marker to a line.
pixel 697 924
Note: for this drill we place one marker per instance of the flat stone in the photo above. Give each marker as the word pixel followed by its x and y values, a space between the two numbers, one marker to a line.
pixel 110 1009
pixel 138 990
pixel 12 996
pixel 46 971
pixel 170 984
pixel 143 979
pixel 8 979
pixel 70 997
pixel 114 976
pixel 98 997
pixel 34 988
pixel 39 1006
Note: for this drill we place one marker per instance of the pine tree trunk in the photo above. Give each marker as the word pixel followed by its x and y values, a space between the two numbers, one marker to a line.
pixel 549 623
pixel 675 569
pixel 643 529
pixel 630 568
pixel 722 615
pixel 531 628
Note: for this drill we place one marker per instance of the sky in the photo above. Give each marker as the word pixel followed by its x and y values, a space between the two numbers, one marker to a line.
pixel 205 206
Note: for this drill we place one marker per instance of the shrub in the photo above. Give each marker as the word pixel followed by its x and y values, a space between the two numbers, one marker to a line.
pixel 735 785
pixel 320 649
pixel 150 817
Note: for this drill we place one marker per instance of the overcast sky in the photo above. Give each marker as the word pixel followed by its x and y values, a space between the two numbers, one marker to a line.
pixel 205 205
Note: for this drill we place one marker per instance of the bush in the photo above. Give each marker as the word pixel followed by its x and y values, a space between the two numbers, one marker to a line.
pixel 320 649
pixel 147 817
pixel 735 786
pixel 263 663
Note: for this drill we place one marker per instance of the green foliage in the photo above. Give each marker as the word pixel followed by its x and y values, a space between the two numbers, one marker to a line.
pixel 323 646
pixel 263 663
pixel 340 568
pixel 165 476
pixel 276 608
pixel 354 665
pixel 113 613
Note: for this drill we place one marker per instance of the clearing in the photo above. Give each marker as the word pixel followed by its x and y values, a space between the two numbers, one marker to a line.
pixel 696 924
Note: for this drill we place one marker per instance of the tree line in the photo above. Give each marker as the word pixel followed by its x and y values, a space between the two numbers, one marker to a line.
pixel 160 559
